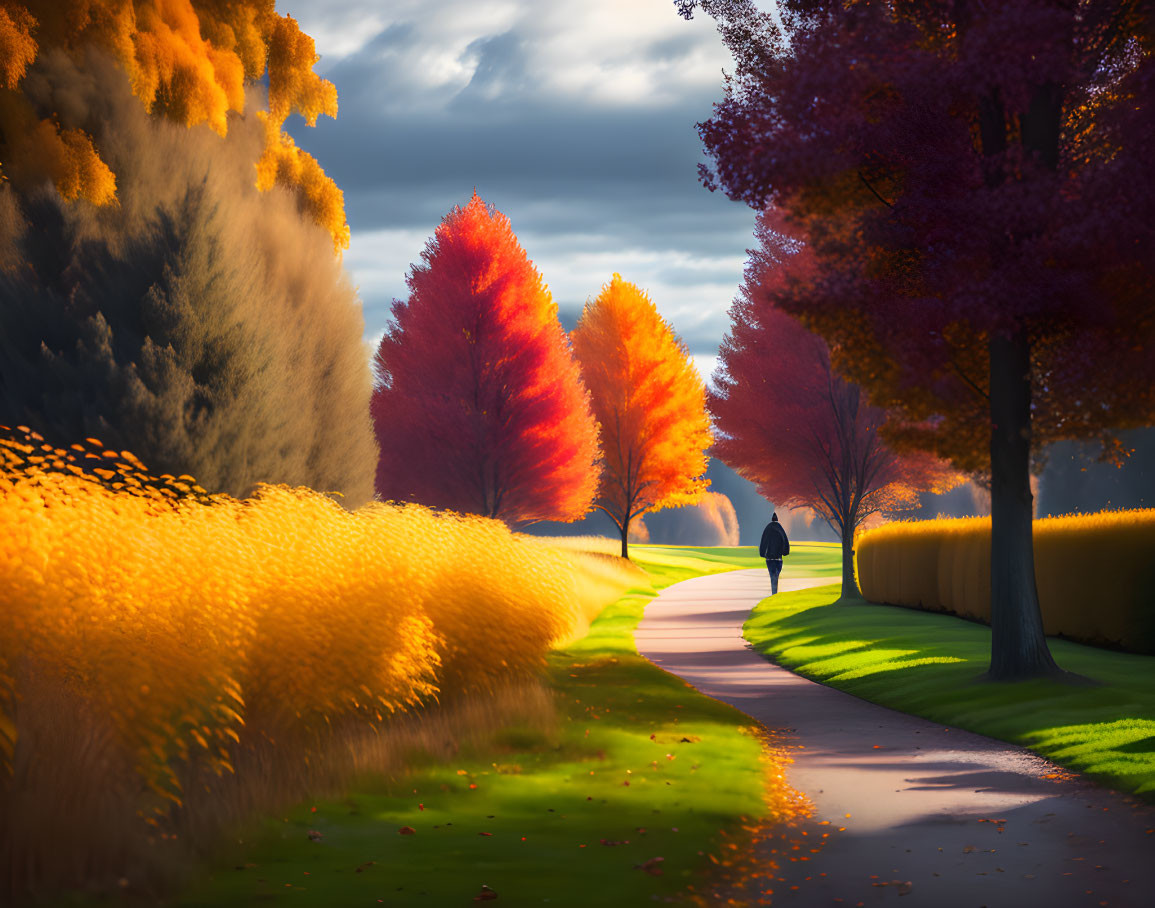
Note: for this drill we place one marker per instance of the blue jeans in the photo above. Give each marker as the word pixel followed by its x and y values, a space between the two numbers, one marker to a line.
pixel 774 566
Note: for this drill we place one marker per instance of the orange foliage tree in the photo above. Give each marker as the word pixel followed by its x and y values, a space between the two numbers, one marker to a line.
pixel 650 404
pixel 480 406
pixel 189 60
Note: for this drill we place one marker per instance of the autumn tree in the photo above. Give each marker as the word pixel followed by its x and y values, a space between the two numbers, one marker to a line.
pixel 195 320
pixel 480 406
pixel 789 423
pixel 973 182
pixel 650 405
pixel 189 62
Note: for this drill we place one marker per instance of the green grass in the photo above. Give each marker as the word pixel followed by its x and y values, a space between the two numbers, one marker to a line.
pixel 565 828
pixel 669 564
pixel 930 665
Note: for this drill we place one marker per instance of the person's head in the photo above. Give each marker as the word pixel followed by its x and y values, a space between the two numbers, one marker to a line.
pixel 774 517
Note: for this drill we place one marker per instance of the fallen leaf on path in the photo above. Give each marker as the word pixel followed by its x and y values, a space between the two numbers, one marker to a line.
pixel 652 866
pixel 406 830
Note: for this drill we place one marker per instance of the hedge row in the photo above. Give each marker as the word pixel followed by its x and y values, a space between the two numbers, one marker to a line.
pixel 1095 572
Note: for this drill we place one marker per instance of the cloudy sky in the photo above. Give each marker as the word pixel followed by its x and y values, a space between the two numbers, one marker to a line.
pixel 575 119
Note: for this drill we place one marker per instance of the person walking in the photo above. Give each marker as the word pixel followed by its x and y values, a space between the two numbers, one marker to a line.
pixel 774 545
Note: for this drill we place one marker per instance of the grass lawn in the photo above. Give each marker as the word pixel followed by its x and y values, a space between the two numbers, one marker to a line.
pixel 929 665
pixel 640 788
pixel 668 564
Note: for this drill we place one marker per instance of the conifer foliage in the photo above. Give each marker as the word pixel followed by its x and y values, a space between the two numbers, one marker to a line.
pixel 481 408
pixel 168 281
pixel 650 405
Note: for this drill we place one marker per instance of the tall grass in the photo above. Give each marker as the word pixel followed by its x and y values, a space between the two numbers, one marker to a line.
pixel 164 648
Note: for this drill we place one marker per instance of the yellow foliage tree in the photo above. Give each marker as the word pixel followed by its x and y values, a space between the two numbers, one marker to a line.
pixel 188 60
pixel 649 402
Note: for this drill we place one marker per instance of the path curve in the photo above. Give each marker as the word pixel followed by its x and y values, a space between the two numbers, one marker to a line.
pixel 913 834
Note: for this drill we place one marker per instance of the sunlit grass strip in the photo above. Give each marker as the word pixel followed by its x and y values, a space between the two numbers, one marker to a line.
pixel 1095 572
pixel 644 789
pixel 671 563
pixel 929 665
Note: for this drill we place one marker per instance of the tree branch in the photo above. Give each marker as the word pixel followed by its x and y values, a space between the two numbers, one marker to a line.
pixel 874 192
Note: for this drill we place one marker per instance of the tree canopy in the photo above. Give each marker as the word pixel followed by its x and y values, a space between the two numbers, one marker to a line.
pixel 650 405
pixel 190 61
pixel 972 181
pixel 481 406
pixel 960 171
pixel 789 423
pixel 198 322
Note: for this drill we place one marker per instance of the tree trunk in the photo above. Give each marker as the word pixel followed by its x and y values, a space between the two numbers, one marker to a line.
pixel 849 582
pixel 1018 645
pixel 626 538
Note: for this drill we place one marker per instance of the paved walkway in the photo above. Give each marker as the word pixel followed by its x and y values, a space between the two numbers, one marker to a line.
pixel 934 816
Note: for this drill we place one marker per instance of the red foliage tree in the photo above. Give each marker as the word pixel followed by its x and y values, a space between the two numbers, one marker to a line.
pixel 650 405
pixel 786 421
pixel 481 407
pixel 972 179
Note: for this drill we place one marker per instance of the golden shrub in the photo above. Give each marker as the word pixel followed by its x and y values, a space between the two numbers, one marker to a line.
pixel 189 621
pixel 1095 572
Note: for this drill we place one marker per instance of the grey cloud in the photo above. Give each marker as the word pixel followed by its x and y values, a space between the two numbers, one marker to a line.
pixel 589 218
pixel 393 160
pixel 672 50
pixel 575 177
pixel 499 66
pixel 541 145
pixel 707 273
pixel 378 71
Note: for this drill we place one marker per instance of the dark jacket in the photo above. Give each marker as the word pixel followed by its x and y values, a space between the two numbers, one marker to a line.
pixel 774 542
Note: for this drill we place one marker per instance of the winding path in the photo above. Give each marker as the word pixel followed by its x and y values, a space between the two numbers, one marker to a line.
pixel 919 810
